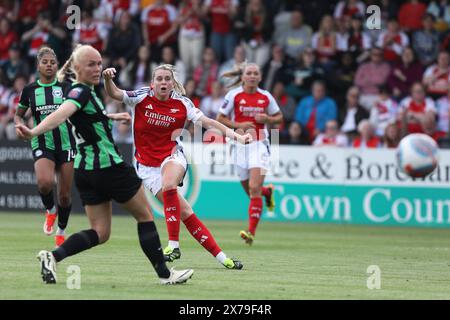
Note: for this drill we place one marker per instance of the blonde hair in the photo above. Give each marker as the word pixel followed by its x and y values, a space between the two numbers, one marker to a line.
pixel 75 58
pixel 237 73
pixel 43 51
pixel 178 86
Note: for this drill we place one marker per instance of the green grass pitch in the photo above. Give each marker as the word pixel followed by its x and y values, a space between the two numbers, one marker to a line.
pixel 287 261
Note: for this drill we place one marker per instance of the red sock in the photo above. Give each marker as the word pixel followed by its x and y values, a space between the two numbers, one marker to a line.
pixel 202 234
pixel 254 213
pixel 172 213
pixel 265 191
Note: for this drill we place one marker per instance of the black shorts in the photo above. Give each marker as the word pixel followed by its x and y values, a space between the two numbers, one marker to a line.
pixel 58 157
pixel 119 183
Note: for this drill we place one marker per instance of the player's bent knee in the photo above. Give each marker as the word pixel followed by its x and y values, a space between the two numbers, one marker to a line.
pixel 45 186
pixel 255 191
pixel 169 186
pixel 65 200
pixel 185 213
pixel 103 235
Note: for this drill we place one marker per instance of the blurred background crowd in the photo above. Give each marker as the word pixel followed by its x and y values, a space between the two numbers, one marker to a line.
pixel 336 81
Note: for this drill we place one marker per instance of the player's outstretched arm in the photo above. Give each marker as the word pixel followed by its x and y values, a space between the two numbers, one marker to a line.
pixel 120 116
pixel 111 89
pixel 52 121
pixel 209 123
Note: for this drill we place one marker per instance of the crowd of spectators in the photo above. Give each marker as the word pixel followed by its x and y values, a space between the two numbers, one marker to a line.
pixel 337 81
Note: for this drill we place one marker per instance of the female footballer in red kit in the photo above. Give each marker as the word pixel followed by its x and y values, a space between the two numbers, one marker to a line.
pixel 248 108
pixel 159 112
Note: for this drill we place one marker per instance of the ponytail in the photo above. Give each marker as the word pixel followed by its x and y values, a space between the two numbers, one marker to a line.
pixel 61 74
pixel 237 73
pixel 68 67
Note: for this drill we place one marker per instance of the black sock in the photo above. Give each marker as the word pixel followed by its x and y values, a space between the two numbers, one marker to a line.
pixel 151 245
pixel 63 216
pixel 76 243
pixel 47 200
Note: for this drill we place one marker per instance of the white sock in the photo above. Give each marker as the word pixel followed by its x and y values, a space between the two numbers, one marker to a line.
pixel 60 232
pixel 221 257
pixel 174 244
pixel 52 210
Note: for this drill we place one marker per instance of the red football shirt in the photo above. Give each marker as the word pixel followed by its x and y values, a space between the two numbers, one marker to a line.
pixel 243 107
pixel 158 20
pixel 157 124
pixel 220 10
pixel 409 104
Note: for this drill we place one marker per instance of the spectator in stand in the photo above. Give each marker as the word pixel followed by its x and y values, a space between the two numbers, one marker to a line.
pixel 211 104
pixel 430 128
pixel 441 12
pixel 276 69
pixel 123 42
pixel 296 38
pixel 314 111
pixel 425 41
pixel 384 111
pixel 190 88
pixel 6 10
pixel 7 38
pixel 28 12
pixel 391 136
pixel 346 9
pixel 370 75
pixel 301 77
pixel 254 26
pixel 366 137
pixel 206 73
pixel 295 135
pixel 343 27
pixel 388 11
pixel 404 73
pixel 234 63
pixel 282 23
pixel 138 73
pixel 443 112
pixel 410 15
pixel 286 103
pixel 191 37
pixel 437 76
pixel 156 26
pixel 130 6
pixel 342 77
pixel 358 41
pixel 350 116
pixel 43 32
pixel 222 38
pixel 324 42
pixel 414 108
pixel 103 14
pixel 15 65
pixel 90 32
pixel 313 10
pixel 393 41
pixel 12 100
pixel 168 57
pixel 332 137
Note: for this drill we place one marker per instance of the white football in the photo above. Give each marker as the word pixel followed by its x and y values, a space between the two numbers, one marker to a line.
pixel 417 155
